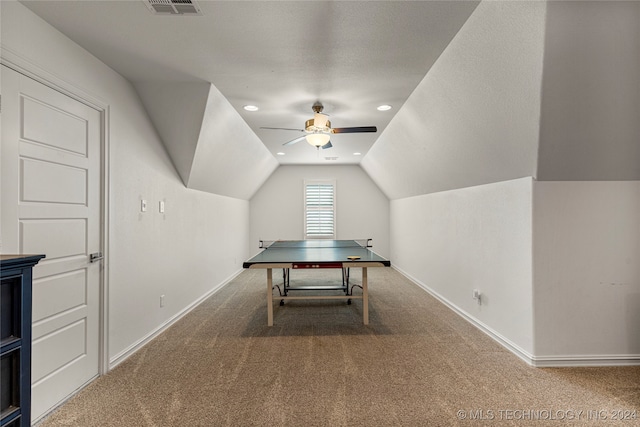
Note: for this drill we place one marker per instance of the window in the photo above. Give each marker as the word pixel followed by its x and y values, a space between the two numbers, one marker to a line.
pixel 319 209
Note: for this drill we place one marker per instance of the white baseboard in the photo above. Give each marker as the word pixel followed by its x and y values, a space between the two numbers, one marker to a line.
pixel 535 361
pixel 586 360
pixel 123 355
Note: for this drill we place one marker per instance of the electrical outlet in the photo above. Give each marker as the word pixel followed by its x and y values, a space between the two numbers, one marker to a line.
pixel 161 301
pixel 161 206
pixel 143 205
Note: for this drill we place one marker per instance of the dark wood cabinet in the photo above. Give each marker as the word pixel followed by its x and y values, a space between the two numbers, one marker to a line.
pixel 15 339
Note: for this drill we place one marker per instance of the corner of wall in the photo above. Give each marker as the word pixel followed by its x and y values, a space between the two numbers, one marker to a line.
pixel 586 284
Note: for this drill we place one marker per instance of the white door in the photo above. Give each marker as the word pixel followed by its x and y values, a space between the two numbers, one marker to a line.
pixel 51 204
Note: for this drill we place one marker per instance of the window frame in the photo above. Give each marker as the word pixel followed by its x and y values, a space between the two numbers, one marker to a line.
pixel 307 183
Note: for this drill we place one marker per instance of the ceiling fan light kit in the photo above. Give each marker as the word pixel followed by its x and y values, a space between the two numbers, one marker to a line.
pixel 318 139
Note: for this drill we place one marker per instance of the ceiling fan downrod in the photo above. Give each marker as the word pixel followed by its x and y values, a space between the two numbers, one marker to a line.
pixel 317 107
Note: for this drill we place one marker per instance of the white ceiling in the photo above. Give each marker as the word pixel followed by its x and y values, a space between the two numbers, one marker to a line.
pixel 281 56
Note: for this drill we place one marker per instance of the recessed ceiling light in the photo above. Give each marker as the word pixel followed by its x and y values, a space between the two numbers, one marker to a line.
pixel 384 107
pixel 280 153
pixel 250 108
pixel 357 154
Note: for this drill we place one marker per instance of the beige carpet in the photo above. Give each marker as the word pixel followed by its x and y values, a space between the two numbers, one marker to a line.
pixel 416 364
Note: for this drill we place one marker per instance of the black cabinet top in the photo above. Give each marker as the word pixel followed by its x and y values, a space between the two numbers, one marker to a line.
pixel 19 261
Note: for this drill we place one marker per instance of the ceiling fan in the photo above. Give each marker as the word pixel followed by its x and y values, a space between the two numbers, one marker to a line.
pixel 318 130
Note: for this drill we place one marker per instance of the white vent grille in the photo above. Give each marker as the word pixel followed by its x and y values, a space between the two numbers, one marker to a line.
pixel 173 7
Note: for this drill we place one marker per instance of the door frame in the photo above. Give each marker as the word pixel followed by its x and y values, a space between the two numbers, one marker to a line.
pixel 16 62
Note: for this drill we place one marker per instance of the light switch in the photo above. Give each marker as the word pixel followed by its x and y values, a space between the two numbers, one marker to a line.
pixel 143 205
pixel 161 206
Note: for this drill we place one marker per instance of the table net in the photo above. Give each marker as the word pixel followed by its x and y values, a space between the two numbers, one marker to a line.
pixel 356 243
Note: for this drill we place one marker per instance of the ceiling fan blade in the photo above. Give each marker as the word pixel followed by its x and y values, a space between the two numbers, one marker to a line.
pixel 298 130
pixel 293 141
pixel 327 145
pixel 355 129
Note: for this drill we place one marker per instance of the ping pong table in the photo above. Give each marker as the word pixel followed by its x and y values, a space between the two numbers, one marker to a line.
pixel 314 254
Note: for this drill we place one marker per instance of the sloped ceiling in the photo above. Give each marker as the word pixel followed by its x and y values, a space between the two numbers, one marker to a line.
pixel 548 90
pixel 230 159
pixel 281 56
pixel 212 148
pixel 177 110
pixel 474 118
pixel 482 92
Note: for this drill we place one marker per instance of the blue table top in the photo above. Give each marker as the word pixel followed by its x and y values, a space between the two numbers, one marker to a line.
pixel 315 251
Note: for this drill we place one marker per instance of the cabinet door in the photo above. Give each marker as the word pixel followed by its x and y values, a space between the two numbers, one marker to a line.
pixel 51 173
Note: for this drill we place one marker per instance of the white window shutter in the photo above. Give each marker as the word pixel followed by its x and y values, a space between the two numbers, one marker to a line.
pixel 319 210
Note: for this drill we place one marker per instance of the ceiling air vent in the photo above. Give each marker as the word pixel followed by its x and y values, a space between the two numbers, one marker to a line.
pixel 173 7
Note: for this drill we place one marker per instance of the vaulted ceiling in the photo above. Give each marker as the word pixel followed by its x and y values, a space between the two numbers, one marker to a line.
pixel 480 91
pixel 280 56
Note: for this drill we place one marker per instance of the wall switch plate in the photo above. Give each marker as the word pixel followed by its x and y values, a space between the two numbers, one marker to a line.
pixel 161 206
pixel 477 295
pixel 143 205
pixel 161 300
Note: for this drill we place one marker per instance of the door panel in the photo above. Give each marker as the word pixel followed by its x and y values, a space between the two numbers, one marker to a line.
pixel 61 237
pixel 59 293
pixel 58 356
pixel 65 184
pixel 51 174
pixel 48 125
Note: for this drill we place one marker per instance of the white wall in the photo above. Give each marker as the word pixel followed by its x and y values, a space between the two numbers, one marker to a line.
pixel 556 262
pixel 362 211
pixel 195 246
pixel 590 112
pixel 473 238
pixel 586 272
pixel 526 89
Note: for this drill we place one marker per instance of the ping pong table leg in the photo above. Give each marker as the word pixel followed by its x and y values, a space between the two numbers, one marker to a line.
pixel 365 297
pixel 269 297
